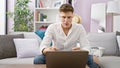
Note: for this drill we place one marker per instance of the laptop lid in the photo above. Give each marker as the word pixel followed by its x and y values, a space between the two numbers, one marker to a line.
pixel 66 59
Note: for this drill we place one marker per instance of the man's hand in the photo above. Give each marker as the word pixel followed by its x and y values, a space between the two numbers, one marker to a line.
pixel 76 49
pixel 49 49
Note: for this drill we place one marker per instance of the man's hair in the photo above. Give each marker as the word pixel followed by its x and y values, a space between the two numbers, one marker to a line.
pixel 66 8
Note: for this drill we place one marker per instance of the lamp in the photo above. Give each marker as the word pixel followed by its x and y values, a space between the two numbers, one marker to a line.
pixel 113 9
pixel 76 19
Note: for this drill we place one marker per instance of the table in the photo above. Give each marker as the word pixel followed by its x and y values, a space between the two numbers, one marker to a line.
pixel 22 66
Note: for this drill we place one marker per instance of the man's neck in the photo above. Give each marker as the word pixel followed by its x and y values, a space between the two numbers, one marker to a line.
pixel 66 30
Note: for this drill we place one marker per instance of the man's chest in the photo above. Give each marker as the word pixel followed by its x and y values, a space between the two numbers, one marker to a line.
pixel 72 37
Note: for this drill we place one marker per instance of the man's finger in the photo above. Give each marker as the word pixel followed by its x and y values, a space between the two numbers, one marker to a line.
pixel 76 48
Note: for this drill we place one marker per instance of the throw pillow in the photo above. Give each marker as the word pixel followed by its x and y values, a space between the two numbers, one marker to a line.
pixel 117 33
pixel 7 47
pixel 1 52
pixel 32 35
pixel 98 51
pixel 118 40
pixel 40 33
pixel 29 48
pixel 28 35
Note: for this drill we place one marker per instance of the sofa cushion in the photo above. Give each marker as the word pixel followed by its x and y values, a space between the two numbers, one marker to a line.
pixel 118 40
pixel 109 62
pixel 106 40
pixel 15 60
pixel 28 35
pixel 40 33
pixel 7 47
pixel 1 51
pixel 117 33
pixel 30 47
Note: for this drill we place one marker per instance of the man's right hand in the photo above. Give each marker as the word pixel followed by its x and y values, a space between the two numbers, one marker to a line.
pixel 49 49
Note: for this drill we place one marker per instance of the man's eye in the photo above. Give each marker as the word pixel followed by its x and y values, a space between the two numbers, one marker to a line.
pixel 63 17
pixel 69 17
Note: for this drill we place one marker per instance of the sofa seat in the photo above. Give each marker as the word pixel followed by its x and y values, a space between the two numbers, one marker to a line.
pixel 110 62
pixel 17 61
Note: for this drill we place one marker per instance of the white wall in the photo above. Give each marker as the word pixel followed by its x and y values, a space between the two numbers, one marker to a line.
pixel 116 25
pixel 2 17
pixel 116 21
pixel 10 20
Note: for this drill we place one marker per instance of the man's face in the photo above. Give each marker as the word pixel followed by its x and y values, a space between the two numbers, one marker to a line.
pixel 66 19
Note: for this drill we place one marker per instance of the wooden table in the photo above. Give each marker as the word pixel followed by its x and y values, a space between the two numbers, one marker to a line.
pixel 22 66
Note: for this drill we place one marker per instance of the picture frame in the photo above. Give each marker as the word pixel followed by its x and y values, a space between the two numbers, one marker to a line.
pixel 58 3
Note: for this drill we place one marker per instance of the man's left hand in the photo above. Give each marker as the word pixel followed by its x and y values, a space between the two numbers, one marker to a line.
pixel 76 49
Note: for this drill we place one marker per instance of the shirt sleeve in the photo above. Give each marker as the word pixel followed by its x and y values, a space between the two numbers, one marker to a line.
pixel 47 38
pixel 84 43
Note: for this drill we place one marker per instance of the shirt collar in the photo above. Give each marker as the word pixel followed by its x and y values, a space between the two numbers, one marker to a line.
pixel 61 30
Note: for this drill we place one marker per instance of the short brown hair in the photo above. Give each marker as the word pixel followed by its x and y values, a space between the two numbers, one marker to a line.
pixel 66 8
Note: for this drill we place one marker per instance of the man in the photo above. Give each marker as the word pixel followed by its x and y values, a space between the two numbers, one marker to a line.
pixel 65 36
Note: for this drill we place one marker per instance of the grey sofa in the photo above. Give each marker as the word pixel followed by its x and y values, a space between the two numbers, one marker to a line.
pixel 110 58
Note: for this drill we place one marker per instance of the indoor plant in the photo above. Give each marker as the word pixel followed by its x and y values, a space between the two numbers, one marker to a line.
pixel 45 17
pixel 23 16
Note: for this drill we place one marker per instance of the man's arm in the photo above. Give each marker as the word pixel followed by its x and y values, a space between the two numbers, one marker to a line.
pixel 47 39
pixel 84 43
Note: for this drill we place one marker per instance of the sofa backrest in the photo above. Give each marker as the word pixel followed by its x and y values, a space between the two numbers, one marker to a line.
pixel 106 40
pixel 28 35
pixel 7 47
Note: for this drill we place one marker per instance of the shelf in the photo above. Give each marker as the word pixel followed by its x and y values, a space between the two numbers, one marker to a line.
pixel 45 22
pixel 50 11
pixel 46 8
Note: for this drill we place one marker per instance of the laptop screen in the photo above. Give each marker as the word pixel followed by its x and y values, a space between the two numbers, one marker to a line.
pixel 66 59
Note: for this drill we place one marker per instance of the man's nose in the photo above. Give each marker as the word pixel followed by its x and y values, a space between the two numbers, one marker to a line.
pixel 66 19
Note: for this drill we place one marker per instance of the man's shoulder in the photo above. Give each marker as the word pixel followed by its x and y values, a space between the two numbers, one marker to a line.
pixel 77 25
pixel 53 25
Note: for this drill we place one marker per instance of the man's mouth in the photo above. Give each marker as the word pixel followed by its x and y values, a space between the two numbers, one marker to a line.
pixel 66 24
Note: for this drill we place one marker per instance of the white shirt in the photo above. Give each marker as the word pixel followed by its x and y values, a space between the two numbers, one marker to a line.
pixel 55 33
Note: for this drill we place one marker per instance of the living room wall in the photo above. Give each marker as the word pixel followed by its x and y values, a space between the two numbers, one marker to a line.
pixel 2 17
pixel 83 8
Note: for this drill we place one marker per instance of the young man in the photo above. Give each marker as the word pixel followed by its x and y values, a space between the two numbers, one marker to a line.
pixel 65 36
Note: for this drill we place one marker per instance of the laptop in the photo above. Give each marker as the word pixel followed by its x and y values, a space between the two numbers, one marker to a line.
pixel 66 59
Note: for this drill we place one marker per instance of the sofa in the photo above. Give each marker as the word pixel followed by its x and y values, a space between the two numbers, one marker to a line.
pixel 111 55
pixel 109 59
pixel 11 56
